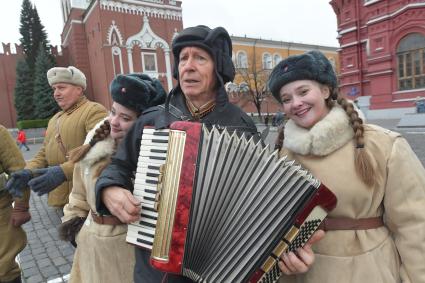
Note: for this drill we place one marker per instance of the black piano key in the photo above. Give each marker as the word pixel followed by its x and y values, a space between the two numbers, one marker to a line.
pixel 164 134
pixel 151 191
pixel 150 216
pixel 157 157
pixel 159 141
pixel 153 167
pixel 144 242
pixel 147 224
pixel 148 198
pixel 152 174
pixel 145 234
pixel 154 182
pixel 149 208
pixel 154 150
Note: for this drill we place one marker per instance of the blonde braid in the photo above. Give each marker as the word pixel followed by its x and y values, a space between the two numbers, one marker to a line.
pixel 100 134
pixel 362 159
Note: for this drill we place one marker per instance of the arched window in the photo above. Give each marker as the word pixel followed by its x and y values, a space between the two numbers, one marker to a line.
pixel 411 62
pixel 267 61
pixel 276 59
pixel 241 60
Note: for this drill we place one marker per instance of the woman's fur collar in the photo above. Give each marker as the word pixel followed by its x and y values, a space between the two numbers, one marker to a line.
pixel 101 149
pixel 326 136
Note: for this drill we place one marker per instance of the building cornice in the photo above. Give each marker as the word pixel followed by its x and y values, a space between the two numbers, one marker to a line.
pixel 408 91
pixel 143 8
pixel 393 14
pixel 370 2
pixel 348 45
pixel 347 30
pixel 380 58
pixel 379 73
pixel 349 73
pixel 266 43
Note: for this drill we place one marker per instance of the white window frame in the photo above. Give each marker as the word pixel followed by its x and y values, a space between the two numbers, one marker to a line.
pixel 267 65
pixel 239 63
pixel 155 61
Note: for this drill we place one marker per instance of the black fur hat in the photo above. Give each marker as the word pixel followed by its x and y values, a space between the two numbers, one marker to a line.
pixel 137 91
pixel 312 65
pixel 216 42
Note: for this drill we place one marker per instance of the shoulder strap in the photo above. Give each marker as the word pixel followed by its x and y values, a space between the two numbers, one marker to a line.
pixel 59 139
pixel 174 111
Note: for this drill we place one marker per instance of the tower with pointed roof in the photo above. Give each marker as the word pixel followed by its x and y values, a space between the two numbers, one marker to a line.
pixel 105 38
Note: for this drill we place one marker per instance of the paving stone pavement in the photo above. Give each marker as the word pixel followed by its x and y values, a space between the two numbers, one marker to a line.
pixel 47 259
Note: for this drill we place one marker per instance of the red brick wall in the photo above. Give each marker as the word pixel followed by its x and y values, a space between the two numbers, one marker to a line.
pixel 369 36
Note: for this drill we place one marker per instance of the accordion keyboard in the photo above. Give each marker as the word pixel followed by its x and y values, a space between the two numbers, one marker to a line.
pixel 153 150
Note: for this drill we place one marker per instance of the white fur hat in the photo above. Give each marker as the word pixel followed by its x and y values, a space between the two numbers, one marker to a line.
pixel 70 75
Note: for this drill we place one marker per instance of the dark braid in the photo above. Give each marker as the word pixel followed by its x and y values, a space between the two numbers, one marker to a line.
pixel 101 133
pixel 363 162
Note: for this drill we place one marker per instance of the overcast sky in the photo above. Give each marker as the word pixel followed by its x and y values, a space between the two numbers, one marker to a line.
pixel 305 21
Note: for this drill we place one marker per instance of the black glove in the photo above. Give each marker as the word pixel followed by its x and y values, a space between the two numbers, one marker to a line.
pixel 50 178
pixel 69 229
pixel 18 181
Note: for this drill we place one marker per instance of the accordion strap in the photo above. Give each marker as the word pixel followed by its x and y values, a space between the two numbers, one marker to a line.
pixel 174 111
pixel 330 224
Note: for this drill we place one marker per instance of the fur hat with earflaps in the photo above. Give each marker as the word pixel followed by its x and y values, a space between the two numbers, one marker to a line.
pixel 69 75
pixel 137 91
pixel 215 41
pixel 312 65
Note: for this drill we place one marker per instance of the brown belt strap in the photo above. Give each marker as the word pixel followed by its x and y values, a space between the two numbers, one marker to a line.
pixel 105 219
pixel 330 224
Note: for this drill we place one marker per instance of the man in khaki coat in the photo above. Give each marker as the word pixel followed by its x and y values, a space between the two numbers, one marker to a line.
pixel 50 171
pixel 12 237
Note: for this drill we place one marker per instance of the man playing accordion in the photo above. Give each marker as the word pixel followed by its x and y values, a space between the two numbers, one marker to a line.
pixel 203 64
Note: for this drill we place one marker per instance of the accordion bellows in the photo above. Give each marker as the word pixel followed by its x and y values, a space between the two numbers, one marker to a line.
pixel 222 208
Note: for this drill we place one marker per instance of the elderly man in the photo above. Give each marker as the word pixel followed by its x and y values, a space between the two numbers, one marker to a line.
pixel 50 171
pixel 203 64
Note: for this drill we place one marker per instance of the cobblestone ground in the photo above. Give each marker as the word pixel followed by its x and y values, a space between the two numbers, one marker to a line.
pixel 47 259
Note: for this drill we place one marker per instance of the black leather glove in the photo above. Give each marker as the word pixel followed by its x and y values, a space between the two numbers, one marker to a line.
pixel 18 181
pixel 69 229
pixel 48 180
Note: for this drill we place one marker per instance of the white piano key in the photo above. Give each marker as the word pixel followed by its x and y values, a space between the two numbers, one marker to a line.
pixel 153 152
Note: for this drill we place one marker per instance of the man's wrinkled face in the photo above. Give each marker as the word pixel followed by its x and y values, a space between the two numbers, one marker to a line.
pixel 196 73
pixel 66 95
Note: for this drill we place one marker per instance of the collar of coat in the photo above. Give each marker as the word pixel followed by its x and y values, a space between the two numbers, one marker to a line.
pixel 326 136
pixel 101 149
pixel 77 105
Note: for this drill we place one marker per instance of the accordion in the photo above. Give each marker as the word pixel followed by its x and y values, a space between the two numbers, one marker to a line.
pixel 218 207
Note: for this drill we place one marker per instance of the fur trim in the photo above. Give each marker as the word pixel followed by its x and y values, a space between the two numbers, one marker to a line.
pixel 100 150
pixel 326 136
pixel 68 230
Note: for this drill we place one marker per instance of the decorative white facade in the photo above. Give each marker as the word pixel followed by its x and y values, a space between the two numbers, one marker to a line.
pixel 147 39
pixel 147 9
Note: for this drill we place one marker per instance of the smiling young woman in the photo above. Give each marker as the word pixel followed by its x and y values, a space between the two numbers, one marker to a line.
pixel 378 180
